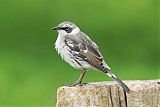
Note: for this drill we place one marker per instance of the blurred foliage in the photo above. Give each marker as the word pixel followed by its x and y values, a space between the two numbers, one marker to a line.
pixel 30 69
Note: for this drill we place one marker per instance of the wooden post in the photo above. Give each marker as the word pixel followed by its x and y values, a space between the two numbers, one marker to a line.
pixel 109 94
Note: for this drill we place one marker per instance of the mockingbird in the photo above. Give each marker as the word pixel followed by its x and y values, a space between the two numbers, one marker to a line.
pixel 77 49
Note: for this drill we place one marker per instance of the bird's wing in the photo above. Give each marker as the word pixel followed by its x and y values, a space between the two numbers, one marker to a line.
pixel 86 49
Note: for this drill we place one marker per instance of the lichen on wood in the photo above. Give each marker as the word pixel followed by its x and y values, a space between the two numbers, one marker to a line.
pixel 109 94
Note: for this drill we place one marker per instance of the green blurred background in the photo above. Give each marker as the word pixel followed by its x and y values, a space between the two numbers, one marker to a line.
pixel 30 69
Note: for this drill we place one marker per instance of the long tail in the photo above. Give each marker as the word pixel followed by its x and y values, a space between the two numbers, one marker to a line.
pixel 110 74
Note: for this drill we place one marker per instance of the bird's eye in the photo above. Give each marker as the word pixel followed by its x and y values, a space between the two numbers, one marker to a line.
pixel 67 28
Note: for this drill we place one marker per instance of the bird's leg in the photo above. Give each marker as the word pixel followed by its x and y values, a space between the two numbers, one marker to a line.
pixel 79 81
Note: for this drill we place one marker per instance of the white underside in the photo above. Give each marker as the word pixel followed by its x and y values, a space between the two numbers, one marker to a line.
pixel 65 54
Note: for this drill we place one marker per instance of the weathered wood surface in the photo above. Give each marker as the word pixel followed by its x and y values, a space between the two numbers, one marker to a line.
pixel 109 94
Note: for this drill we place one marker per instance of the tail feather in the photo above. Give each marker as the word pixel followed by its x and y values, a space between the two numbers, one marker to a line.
pixel 126 89
pixel 110 74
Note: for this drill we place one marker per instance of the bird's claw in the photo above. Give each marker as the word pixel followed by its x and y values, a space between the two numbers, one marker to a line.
pixel 75 84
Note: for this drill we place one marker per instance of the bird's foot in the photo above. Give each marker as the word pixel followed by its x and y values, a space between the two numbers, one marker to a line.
pixel 75 84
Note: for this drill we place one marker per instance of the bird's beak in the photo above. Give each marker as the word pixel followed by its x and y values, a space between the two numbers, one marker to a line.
pixel 56 28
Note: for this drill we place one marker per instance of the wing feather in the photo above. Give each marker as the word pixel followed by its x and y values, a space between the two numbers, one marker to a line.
pixel 86 49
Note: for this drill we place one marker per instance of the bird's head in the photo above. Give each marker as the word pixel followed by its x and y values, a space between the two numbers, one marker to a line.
pixel 66 28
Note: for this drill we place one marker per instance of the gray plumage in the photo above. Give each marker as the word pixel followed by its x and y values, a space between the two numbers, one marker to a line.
pixel 77 49
pixel 83 48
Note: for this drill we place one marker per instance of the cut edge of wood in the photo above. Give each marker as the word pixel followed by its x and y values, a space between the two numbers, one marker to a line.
pixel 115 92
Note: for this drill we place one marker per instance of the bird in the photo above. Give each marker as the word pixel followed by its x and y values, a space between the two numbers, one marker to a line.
pixel 77 49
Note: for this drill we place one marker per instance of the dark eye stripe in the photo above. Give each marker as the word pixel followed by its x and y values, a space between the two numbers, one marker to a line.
pixel 65 28
pixel 68 30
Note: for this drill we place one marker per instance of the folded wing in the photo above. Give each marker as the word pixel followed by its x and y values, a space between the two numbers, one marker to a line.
pixel 87 50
